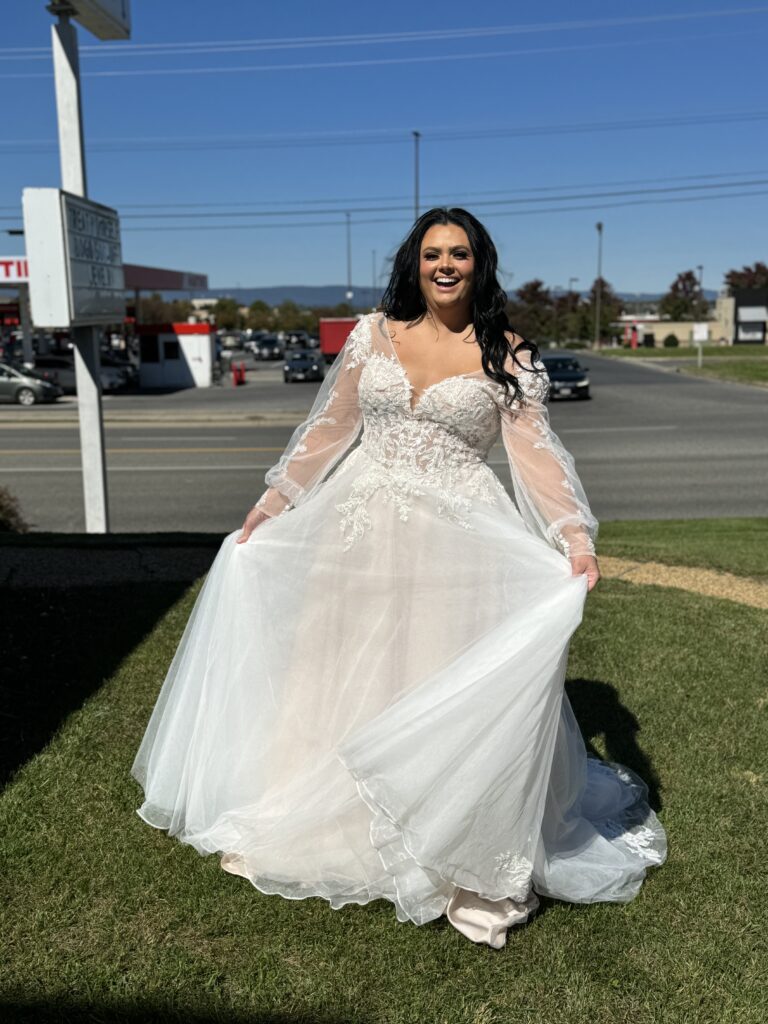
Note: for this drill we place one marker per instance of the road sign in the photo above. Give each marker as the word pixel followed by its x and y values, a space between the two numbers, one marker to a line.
pixel 75 259
pixel 106 19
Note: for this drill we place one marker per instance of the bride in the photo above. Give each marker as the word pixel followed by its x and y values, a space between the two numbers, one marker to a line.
pixel 367 701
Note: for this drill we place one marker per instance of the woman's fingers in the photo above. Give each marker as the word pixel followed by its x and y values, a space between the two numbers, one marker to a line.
pixel 252 520
pixel 586 565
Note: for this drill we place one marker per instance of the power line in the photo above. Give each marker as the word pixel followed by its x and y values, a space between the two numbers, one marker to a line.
pixel 361 39
pixel 519 195
pixel 514 201
pixel 489 214
pixel 404 221
pixel 361 63
pixel 357 137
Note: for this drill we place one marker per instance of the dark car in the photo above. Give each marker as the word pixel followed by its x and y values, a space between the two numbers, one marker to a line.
pixel 124 367
pixel 568 378
pixel 57 369
pixel 266 347
pixel 25 387
pixel 302 365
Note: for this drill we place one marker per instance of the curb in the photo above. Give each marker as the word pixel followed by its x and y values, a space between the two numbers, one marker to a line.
pixel 282 418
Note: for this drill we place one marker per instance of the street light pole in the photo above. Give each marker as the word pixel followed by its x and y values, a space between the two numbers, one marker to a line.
pixel 416 139
pixel 599 282
pixel 373 278
pixel 350 293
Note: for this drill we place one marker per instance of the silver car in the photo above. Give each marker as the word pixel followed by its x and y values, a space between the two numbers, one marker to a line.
pixel 25 388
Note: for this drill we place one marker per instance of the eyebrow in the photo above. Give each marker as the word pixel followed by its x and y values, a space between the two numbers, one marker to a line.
pixel 434 248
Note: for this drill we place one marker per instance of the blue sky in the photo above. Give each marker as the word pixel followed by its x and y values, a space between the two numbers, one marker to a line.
pixel 554 104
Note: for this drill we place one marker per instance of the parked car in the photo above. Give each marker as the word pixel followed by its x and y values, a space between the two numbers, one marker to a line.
pixel 57 369
pixel 232 339
pixel 301 364
pixel 568 378
pixel 61 370
pixel 25 387
pixel 296 339
pixel 128 372
pixel 268 347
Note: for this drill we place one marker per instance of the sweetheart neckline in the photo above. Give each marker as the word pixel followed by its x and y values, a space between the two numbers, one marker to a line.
pixel 453 376
pixel 430 387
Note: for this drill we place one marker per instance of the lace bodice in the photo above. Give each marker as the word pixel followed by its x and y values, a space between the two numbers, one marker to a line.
pixel 437 445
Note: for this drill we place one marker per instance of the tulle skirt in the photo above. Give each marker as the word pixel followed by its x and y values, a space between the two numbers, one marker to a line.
pixel 388 720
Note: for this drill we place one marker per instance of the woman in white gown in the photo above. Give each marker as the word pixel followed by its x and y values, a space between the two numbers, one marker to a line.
pixel 367 701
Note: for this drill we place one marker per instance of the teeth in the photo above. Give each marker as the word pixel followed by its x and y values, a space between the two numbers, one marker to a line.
pixel 446 280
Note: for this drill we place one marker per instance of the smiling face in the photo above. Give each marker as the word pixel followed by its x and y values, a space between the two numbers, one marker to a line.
pixel 446 267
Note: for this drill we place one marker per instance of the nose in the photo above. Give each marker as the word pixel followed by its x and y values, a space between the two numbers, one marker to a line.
pixel 446 265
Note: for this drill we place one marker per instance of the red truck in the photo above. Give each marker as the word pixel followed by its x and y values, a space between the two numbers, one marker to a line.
pixel 334 331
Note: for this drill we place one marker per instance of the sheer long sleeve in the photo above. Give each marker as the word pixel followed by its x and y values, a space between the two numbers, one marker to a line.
pixel 548 492
pixel 320 442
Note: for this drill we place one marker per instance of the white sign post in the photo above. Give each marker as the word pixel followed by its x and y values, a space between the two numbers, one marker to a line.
pixel 700 337
pixel 88 233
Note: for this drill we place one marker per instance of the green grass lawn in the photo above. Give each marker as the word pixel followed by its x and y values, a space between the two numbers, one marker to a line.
pixel 689 352
pixel 105 919
pixel 743 364
pixel 731 545
pixel 742 371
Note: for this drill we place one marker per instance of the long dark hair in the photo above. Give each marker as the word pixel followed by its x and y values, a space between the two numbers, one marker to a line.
pixel 404 301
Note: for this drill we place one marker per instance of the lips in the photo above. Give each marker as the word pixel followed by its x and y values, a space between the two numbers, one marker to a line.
pixel 446 283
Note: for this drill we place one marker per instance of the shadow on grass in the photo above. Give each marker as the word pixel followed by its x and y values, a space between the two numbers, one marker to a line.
pixel 60 641
pixel 600 712
pixel 36 1012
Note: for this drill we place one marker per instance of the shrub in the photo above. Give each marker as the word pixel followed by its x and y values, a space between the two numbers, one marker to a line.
pixel 11 519
pixel 671 341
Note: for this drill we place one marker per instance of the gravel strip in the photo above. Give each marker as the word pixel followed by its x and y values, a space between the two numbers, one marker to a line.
pixel 707 582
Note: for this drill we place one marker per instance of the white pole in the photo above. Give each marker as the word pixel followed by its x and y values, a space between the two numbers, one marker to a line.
pixel 28 354
pixel 87 359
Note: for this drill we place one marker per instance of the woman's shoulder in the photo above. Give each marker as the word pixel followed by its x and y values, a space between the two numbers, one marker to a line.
pixel 358 345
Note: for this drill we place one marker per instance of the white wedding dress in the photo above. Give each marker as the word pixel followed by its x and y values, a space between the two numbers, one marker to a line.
pixel 367 701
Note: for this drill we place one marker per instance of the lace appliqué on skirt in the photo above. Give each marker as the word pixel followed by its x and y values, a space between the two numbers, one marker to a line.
pixel 514 873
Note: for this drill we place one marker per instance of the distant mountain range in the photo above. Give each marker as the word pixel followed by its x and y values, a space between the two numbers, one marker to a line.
pixel 332 294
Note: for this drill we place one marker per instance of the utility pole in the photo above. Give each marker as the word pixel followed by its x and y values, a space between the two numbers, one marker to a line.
pixel 700 269
pixel 373 278
pixel 599 282
pixel 350 293
pixel 66 68
pixel 416 139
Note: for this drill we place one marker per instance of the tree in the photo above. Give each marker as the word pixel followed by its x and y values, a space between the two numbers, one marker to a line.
pixel 531 312
pixel 683 300
pixel 610 308
pixel 226 314
pixel 289 316
pixel 259 316
pixel 153 309
pixel 748 277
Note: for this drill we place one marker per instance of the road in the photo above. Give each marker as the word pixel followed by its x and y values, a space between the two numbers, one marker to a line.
pixel 649 445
